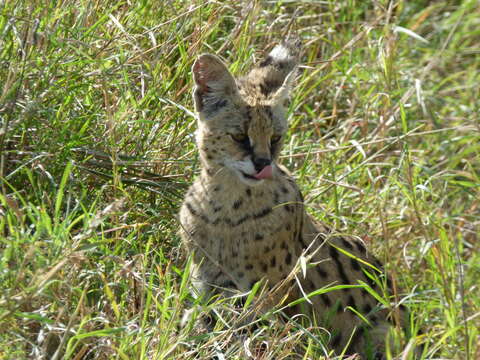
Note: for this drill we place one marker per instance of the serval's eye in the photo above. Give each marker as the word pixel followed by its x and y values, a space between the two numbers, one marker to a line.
pixel 240 138
pixel 276 138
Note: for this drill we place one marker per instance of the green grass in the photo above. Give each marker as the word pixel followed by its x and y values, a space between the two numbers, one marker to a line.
pixel 96 150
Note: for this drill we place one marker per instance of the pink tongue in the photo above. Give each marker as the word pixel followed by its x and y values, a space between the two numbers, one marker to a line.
pixel 266 173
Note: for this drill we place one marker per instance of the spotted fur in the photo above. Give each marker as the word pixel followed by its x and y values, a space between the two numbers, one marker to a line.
pixel 244 229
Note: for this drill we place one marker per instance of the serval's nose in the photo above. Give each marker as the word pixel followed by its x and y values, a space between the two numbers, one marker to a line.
pixel 260 163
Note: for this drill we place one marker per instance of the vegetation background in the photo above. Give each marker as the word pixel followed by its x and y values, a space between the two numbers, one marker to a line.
pixel 97 148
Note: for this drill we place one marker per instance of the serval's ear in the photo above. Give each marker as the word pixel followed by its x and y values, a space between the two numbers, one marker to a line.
pixel 275 74
pixel 213 83
pixel 283 92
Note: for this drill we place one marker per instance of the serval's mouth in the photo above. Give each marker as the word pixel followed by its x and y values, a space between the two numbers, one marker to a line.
pixel 250 177
pixel 265 173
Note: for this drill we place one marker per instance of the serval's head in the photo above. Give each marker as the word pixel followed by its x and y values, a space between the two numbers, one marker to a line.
pixel 242 122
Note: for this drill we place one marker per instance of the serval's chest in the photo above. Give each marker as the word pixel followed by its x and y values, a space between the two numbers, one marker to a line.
pixel 249 231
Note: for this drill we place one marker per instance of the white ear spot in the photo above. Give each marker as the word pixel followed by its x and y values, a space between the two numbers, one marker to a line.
pixel 280 53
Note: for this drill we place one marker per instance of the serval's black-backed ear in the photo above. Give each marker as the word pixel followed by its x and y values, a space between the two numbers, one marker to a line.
pixel 275 74
pixel 213 83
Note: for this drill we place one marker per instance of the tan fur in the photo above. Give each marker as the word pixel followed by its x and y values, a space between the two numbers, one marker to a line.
pixel 243 230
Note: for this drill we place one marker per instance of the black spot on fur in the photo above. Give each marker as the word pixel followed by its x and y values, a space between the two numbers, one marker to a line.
pixel 360 246
pixel 237 204
pixel 195 213
pixel 335 256
pixel 351 301
pixel 296 232
pixel 258 237
pixel 355 338
pixel 249 113
pixel 191 209
pixel 275 148
pixel 288 258
pixel 302 241
pixel 229 284
pixel 269 87
pixel 253 282
pixel 246 145
pixel 284 190
pixel 240 221
pixel 249 192
pixel 326 300
pixel 273 261
pixel 262 213
pixel 283 245
pixel 337 339
pixel 248 267
pixel 347 244
pixel 299 193
pixel 367 308
pixel 288 227
pixel 215 106
pixel 264 267
pixel 333 253
pixel 355 265
pixel 268 61
pixel 323 274
pixel 369 281
pixel 269 112
pixel 281 64
pixel 217 275
pixel 264 89
pixel 276 197
pixel 309 285
pixel 340 307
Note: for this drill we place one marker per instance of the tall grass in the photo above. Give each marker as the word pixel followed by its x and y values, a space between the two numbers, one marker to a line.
pixel 97 148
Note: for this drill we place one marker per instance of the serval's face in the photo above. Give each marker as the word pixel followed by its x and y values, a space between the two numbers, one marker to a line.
pixel 242 123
